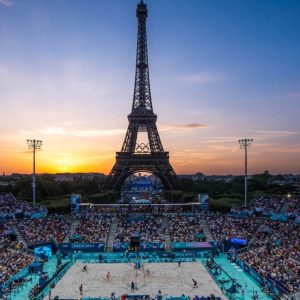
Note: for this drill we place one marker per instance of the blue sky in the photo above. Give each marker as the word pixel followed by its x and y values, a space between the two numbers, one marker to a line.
pixel 231 68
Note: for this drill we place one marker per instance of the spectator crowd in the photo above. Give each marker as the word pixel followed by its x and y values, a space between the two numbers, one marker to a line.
pixel 10 207
pixel 149 229
pixel 93 228
pixel 13 255
pixel 293 208
pixel 267 205
pixel 53 227
pixel 184 228
pixel 225 227
pixel 275 253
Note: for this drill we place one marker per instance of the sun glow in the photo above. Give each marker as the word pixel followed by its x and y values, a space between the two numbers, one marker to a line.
pixel 66 164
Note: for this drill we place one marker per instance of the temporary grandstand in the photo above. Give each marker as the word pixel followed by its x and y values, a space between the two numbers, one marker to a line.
pixel 229 255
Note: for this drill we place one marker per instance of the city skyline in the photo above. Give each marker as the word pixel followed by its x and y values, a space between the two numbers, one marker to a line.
pixel 219 72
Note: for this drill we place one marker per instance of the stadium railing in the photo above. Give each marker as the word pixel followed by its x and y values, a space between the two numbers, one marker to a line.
pixel 51 282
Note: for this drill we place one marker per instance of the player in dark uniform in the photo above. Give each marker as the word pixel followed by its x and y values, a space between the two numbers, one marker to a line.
pixel 195 283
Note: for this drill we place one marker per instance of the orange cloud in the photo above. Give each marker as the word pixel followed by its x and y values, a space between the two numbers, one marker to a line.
pixel 181 126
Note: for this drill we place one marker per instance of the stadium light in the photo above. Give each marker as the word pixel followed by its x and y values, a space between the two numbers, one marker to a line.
pixel 244 144
pixel 34 145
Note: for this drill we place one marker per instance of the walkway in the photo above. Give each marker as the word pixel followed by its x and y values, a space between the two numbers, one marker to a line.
pixel 206 228
pixel 20 237
pixel 165 225
pixel 111 236
pixel 284 208
pixel 72 230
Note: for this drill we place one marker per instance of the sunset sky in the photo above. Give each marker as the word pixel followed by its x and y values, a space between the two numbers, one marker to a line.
pixel 219 70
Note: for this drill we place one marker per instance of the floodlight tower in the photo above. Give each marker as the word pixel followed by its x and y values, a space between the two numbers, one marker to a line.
pixel 34 145
pixel 245 144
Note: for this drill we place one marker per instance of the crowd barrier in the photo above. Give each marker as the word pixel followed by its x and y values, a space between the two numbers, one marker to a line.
pixel 275 287
pixel 178 298
pixel 51 245
pixel 21 215
pixel 144 247
pixel 279 217
pixel 120 247
pixel 39 294
pixel 21 274
pixel 67 298
pixel 88 298
pixel 155 257
pixel 152 246
pixel 185 214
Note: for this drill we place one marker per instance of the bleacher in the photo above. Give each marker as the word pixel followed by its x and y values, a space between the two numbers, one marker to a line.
pixel 274 244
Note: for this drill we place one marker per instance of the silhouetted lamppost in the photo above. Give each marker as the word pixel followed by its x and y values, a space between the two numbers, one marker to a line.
pixel 244 144
pixel 34 145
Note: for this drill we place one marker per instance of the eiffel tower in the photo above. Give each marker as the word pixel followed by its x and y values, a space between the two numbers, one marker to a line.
pixel 142 157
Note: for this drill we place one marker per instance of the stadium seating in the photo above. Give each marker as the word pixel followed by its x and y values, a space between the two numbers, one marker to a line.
pixel 13 255
pixel 45 229
pixel 93 228
pixel 274 251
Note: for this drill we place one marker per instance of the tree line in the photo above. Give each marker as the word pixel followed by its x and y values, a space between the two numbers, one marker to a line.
pixel 222 194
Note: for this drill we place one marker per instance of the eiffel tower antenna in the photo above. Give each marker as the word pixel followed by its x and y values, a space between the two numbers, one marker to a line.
pixel 138 157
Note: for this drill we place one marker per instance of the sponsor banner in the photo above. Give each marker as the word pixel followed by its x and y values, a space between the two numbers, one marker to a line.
pixel 184 254
pixel 120 247
pixel 38 215
pixel 82 247
pixel 164 254
pixel 46 244
pixel 204 200
pixel 278 217
pixel 238 241
pixel 75 203
pixel 144 247
pixel 152 246
pixel 43 251
pixel 191 245
pixel 140 201
pixel 178 255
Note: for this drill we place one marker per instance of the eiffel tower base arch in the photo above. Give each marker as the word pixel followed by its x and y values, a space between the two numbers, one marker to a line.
pixel 156 163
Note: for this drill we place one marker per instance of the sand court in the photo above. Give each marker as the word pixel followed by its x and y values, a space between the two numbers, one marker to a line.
pixel 167 277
